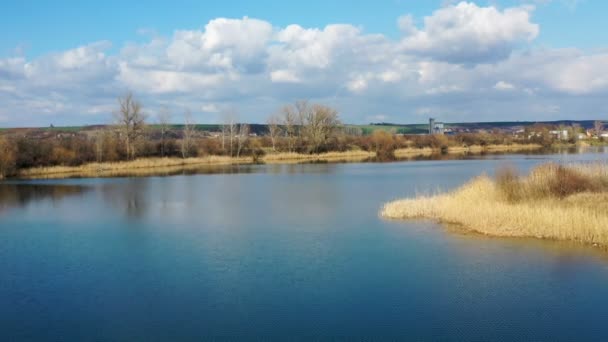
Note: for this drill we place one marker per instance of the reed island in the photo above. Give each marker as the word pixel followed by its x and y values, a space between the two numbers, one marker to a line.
pixel 559 202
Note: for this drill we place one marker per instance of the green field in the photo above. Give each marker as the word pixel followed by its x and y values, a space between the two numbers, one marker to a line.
pixel 422 128
pixel 394 128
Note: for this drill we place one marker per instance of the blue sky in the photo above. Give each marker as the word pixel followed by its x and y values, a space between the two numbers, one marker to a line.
pixel 43 26
pixel 49 26
pixel 66 61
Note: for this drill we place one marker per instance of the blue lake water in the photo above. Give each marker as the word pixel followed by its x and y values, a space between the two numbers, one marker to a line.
pixel 278 251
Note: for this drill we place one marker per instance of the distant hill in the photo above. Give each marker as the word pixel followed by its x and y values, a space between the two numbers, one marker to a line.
pixel 472 126
pixel 422 128
pixel 506 124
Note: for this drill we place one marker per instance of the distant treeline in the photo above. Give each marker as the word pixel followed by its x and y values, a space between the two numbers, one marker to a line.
pixel 491 125
pixel 302 127
pixel 262 128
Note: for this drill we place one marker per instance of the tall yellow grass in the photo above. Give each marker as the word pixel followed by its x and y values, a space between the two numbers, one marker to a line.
pixel 425 151
pixel 540 208
pixel 495 148
pixel 146 166
pixel 138 164
pixel 329 156
pixel 412 151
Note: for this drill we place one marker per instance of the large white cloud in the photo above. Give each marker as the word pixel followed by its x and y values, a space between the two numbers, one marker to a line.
pixel 467 33
pixel 577 73
pixel 12 68
pixel 465 63
pixel 225 44
pixel 87 64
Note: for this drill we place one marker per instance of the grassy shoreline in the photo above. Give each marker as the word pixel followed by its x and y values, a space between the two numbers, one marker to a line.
pixel 354 155
pixel 404 152
pixel 143 163
pixel 553 202
pixel 147 166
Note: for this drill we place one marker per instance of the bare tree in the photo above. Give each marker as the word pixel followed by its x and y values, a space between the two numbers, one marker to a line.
pixel 164 122
pixel 353 131
pixel 289 122
pixel 7 157
pixel 303 109
pixel 188 134
pixel 274 129
pixel 318 124
pixel 229 126
pixel 131 122
pixel 223 137
pixel 573 132
pixel 99 145
pixel 241 138
pixel 598 127
pixel 232 131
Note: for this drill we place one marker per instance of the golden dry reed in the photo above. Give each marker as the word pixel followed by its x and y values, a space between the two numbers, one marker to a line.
pixel 552 202
pixel 146 166
pixel 329 156
pixel 138 164
pixel 412 151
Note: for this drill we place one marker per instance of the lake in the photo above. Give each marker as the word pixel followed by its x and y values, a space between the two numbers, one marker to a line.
pixel 277 251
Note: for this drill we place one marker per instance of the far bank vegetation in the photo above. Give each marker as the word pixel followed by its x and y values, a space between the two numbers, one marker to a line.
pixel 298 131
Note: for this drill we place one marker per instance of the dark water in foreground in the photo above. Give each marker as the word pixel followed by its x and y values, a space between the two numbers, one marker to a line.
pixel 282 251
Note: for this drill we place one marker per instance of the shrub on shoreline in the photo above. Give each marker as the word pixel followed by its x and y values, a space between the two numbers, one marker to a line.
pixel 550 180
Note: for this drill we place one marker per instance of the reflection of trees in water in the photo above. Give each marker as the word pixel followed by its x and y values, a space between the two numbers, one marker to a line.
pixel 322 167
pixel 180 170
pixel 219 169
pixel 20 195
pixel 129 197
pixel 484 154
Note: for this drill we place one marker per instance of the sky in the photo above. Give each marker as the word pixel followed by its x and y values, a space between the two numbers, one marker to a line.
pixel 401 61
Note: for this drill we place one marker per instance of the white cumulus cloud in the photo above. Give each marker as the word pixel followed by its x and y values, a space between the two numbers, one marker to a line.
pixel 502 85
pixel 465 62
pixel 467 33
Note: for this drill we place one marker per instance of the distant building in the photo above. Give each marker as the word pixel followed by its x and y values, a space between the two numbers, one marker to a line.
pixel 436 127
pixel 560 134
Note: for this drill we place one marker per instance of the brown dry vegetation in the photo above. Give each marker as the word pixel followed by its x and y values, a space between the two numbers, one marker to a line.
pixel 552 202
pixel 7 158
pixel 152 165
pixel 155 165
pixel 409 151
pixel 138 164
pixel 299 132
pixel 495 148
pixel 328 156
pixel 145 166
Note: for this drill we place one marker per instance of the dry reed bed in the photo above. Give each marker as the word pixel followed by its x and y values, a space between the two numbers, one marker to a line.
pixel 137 172
pixel 496 148
pixel 152 165
pixel 346 155
pixel 148 166
pixel 144 163
pixel 412 151
pixel 553 202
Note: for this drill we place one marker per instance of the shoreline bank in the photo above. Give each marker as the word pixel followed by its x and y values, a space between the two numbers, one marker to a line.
pixel 404 152
pixel 149 166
